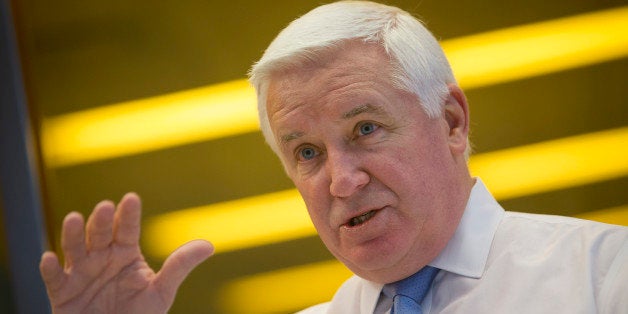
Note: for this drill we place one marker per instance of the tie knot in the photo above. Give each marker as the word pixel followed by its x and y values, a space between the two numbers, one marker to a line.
pixel 417 285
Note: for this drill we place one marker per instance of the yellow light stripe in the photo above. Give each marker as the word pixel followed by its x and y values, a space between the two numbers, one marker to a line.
pixel 233 225
pixel 536 49
pixel 149 124
pixel 229 109
pixel 555 164
pixel 284 290
pixel 616 215
pixel 508 173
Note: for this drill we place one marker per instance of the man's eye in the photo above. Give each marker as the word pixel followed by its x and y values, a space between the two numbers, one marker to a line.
pixel 367 128
pixel 307 153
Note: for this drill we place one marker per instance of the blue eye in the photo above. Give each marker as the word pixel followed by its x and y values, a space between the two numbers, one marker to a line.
pixel 367 128
pixel 307 153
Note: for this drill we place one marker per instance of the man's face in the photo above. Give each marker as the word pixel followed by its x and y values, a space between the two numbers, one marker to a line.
pixel 381 182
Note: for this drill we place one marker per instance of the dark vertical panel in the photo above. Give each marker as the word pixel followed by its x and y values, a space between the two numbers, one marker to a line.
pixel 18 179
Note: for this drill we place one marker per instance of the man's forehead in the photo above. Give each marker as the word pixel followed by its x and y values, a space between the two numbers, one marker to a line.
pixel 302 88
pixel 343 85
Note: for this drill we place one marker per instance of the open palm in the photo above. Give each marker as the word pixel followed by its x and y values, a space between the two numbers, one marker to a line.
pixel 104 269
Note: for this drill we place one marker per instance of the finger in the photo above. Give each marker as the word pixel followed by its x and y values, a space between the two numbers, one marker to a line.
pixel 73 238
pixel 51 272
pixel 179 264
pixel 100 226
pixel 126 225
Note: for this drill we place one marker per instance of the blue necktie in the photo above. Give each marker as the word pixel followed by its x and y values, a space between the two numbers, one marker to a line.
pixel 410 292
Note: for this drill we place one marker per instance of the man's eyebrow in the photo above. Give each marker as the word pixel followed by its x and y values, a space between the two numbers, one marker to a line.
pixel 291 136
pixel 366 108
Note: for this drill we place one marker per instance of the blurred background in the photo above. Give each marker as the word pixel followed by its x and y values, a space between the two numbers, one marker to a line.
pixel 148 96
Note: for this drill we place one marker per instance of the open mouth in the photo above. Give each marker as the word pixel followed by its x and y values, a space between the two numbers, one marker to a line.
pixel 358 220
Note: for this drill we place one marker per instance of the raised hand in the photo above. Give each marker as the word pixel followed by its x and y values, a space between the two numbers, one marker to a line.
pixel 104 269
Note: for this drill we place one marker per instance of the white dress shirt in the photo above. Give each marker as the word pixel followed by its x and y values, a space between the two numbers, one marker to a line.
pixel 507 262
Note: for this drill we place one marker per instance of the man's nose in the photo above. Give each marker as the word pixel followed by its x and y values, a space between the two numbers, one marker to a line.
pixel 346 172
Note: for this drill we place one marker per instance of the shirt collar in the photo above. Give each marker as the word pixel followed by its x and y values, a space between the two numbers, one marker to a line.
pixel 467 251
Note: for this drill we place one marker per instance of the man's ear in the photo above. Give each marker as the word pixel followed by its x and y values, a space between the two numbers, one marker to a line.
pixel 457 116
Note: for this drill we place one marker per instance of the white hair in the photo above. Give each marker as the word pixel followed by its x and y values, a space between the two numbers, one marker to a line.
pixel 419 64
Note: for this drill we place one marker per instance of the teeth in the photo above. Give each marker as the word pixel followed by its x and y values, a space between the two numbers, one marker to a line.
pixel 361 219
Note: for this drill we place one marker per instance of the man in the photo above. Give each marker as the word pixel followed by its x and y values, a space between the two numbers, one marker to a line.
pixel 360 104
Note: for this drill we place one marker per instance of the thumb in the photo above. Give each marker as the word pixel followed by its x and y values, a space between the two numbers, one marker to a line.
pixel 179 265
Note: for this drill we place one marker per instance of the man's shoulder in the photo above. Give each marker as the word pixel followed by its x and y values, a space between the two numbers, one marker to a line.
pixel 514 222
pixel 557 239
pixel 537 256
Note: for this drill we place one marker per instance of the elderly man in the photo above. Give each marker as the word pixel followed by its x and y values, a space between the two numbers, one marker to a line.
pixel 359 102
